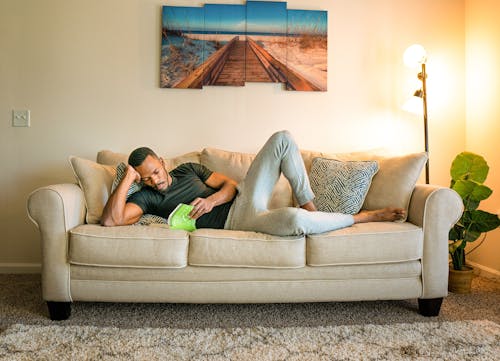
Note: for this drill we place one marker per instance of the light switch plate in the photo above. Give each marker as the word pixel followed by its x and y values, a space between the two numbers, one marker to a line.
pixel 20 118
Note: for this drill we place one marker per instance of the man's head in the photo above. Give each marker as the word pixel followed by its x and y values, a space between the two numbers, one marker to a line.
pixel 150 167
pixel 138 156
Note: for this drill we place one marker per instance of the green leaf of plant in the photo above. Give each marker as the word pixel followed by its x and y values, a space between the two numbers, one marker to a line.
pixel 471 235
pixel 470 204
pixel 469 165
pixel 471 193
pixel 480 192
pixel 482 221
pixel 455 233
pixel 463 187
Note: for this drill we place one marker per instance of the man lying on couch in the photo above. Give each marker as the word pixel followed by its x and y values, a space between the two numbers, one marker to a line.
pixel 220 203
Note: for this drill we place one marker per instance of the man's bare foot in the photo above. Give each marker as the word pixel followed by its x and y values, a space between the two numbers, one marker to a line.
pixel 388 214
pixel 309 206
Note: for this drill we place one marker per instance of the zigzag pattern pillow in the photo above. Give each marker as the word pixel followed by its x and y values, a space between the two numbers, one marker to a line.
pixel 149 219
pixel 341 187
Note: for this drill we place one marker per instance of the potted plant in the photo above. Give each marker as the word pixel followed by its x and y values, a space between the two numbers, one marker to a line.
pixel 468 173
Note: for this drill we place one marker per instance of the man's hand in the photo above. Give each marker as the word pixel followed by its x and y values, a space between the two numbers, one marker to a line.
pixel 226 192
pixel 201 206
pixel 132 175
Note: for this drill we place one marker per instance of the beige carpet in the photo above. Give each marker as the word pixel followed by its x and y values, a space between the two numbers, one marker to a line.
pixel 95 329
pixel 459 340
pixel 21 303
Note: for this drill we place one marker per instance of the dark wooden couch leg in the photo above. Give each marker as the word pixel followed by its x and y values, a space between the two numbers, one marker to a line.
pixel 59 311
pixel 429 306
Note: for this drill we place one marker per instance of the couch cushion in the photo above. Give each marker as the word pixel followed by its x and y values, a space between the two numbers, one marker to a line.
pixel 128 246
pixel 225 248
pixel 393 184
pixel 111 158
pixel 341 186
pixel 309 155
pixel 366 243
pixel 95 181
pixel 235 165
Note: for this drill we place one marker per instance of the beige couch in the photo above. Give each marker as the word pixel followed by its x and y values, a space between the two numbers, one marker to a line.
pixel 83 261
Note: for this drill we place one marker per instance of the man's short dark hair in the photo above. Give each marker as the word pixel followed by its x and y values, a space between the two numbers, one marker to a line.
pixel 137 157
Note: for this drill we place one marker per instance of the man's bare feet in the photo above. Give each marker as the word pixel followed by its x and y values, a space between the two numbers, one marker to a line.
pixel 388 214
pixel 309 206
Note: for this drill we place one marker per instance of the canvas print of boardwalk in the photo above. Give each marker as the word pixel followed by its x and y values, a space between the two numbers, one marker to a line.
pixel 307 49
pixel 181 55
pixel 266 25
pixel 261 41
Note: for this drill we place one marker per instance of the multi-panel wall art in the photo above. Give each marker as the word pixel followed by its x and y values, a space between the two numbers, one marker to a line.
pixel 261 41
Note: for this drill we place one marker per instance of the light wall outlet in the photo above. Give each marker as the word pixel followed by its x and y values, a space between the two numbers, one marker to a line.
pixel 20 118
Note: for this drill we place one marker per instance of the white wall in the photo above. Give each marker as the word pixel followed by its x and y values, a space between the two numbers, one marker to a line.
pixel 483 111
pixel 88 71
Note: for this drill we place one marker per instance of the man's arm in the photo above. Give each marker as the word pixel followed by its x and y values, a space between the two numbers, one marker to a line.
pixel 117 211
pixel 226 192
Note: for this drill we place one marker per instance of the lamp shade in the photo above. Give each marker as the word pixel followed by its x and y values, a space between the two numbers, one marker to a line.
pixel 415 55
pixel 414 105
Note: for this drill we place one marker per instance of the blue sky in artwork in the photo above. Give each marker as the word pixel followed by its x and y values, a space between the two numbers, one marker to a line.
pixel 253 17
pixel 307 22
pixel 266 16
pixel 183 18
pixel 225 18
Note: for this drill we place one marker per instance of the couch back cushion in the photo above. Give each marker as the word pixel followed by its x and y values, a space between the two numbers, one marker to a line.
pixel 391 186
pixel 309 155
pixel 111 158
pixel 235 165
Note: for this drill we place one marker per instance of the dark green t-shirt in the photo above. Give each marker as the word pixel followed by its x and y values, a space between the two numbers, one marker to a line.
pixel 188 183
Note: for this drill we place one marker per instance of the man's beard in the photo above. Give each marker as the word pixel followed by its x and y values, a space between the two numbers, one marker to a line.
pixel 165 190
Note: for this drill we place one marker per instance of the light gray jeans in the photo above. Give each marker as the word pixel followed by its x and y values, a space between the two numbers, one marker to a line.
pixel 250 212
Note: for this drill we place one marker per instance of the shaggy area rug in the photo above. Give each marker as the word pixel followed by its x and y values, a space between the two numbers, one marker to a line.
pixel 459 340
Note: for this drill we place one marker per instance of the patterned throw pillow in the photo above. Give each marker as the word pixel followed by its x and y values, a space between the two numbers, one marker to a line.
pixel 149 219
pixel 146 219
pixel 341 186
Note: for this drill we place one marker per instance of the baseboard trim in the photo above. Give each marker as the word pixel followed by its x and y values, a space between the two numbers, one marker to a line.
pixel 485 272
pixel 19 268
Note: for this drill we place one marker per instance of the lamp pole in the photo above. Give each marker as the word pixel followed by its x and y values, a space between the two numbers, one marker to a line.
pixel 423 77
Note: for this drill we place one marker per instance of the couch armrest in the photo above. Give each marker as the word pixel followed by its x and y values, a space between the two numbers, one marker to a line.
pixel 55 210
pixel 436 209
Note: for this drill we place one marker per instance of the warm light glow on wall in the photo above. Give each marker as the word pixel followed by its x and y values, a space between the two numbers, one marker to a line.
pixel 482 75
pixel 442 82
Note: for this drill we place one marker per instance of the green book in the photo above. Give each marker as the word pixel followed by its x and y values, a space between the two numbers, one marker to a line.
pixel 179 218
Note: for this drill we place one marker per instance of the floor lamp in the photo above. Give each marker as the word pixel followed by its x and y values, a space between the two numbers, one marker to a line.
pixel 414 56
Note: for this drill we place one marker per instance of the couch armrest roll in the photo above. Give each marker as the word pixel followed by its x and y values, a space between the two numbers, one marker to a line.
pixel 436 209
pixel 55 210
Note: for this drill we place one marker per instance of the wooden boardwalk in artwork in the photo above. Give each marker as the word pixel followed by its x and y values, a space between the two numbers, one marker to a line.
pixel 239 61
